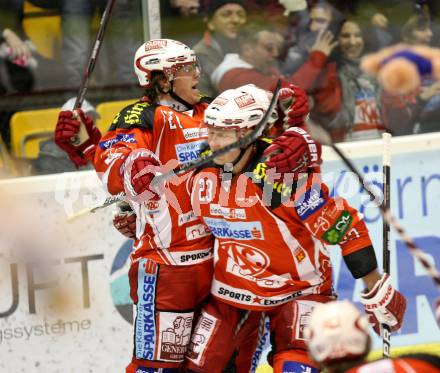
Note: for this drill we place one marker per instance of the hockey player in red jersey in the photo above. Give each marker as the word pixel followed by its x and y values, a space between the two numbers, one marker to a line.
pixel 171 266
pixel 271 243
pixel 172 258
pixel 338 340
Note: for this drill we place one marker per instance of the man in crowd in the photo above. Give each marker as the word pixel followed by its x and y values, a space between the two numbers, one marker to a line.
pixel 256 63
pixel 223 21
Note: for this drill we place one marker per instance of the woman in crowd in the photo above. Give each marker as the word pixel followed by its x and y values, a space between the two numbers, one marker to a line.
pixel 360 116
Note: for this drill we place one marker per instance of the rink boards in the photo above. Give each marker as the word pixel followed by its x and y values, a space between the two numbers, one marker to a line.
pixel 74 315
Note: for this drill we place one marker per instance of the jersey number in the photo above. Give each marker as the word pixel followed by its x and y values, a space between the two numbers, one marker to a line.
pixel 171 118
pixel 205 190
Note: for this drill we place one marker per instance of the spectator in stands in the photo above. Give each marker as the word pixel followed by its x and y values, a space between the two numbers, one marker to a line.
pixel 360 115
pixel 419 112
pixel 120 40
pixel 16 63
pixel 223 21
pixel 186 7
pixel 386 18
pixel 256 63
pixel 417 30
pixel 51 159
pixel 320 20
pixel 338 340
pixel 268 11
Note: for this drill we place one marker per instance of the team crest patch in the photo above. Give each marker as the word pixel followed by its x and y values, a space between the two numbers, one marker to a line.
pixel 174 335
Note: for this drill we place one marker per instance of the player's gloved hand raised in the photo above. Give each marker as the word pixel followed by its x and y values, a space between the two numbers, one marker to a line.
pixel 293 152
pixel 384 305
pixel 67 130
pixel 293 105
pixel 143 166
pixel 124 220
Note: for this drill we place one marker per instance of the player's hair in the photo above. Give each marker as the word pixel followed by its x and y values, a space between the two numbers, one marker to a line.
pixel 154 91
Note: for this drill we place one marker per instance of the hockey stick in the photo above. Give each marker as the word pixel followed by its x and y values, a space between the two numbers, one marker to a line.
pixel 321 135
pixel 241 143
pixel 108 201
pixel 90 67
pixel 386 169
pixel 94 54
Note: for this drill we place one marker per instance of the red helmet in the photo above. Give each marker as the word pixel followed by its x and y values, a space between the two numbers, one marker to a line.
pixel 164 55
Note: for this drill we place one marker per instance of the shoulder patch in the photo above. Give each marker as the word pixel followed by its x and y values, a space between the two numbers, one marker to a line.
pixel 139 114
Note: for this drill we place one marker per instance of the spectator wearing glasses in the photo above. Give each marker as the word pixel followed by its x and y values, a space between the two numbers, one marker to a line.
pixel 223 21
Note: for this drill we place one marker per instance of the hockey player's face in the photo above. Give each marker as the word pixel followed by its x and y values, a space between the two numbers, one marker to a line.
pixel 185 83
pixel 219 138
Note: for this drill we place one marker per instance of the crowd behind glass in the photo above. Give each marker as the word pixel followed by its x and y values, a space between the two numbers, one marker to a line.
pixel 317 45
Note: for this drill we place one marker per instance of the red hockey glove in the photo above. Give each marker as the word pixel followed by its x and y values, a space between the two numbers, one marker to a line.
pixel 293 152
pixel 66 131
pixel 124 220
pixel 384 305
pixel 144 166
pixel 293 104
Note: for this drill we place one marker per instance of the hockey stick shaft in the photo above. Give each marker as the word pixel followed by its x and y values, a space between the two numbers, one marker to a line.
pixel 390 219
pixel 94 54
pixel 386 169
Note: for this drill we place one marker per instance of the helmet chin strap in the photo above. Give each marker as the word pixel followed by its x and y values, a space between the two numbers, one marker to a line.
pixel 238 158
pixel 178 98
pixel 180 104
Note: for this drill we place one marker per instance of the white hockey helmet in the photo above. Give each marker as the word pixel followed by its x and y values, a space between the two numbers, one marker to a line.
pixel 337 332
pixel 242 107
pixel 164 55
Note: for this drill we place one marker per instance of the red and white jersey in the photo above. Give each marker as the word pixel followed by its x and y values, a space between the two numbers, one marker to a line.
pixel 167 231
pixel 271 239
